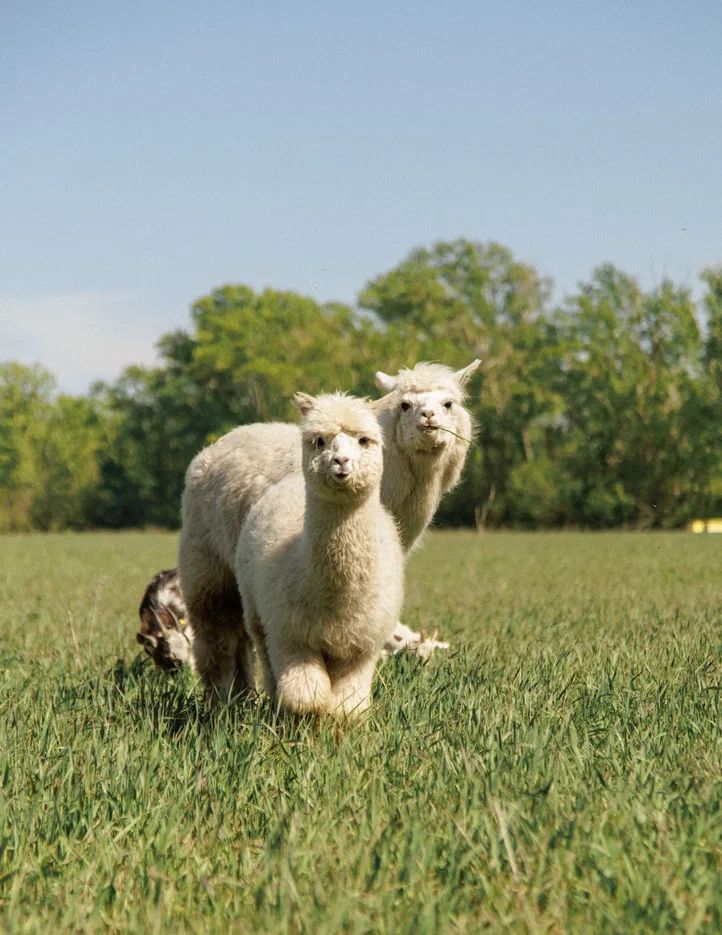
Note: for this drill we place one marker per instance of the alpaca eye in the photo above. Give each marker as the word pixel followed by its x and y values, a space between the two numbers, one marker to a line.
pixel 447 405
pixel 405 407
pixel 363 442
pixel 319 442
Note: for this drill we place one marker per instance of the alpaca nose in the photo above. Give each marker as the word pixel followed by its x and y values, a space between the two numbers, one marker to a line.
pixel 428 414
pixel 342 465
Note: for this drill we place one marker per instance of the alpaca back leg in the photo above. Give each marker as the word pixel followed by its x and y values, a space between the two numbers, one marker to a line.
pixel 216 652
pixel 245 666
pixel 220 645
pixel 257 636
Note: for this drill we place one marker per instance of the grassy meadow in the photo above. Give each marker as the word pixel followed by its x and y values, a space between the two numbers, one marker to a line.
pixel 558 770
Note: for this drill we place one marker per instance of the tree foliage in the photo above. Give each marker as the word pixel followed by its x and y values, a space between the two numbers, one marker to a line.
pixel 604 410
pixel 49 451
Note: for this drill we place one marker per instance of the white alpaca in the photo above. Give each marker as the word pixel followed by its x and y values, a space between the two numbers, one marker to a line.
pixel 319 564
pixel 426 433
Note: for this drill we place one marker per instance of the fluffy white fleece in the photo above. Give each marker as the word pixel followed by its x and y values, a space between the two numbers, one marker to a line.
pixel 320 566
pixel 426 434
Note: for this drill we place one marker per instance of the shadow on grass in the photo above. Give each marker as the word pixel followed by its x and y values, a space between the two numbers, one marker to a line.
pixel 136 692
pixel 133 694
pixel 173 704
pixel 157 701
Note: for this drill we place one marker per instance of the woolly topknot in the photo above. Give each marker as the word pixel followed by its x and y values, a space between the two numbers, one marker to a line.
pixel 427 377
pixel 331 413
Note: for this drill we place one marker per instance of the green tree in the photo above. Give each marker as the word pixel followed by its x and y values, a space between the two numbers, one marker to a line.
pixel 155 427
pixel 251 352
pixel 25 395
pixel 463 299
pixel 49 447
pixel 68 442
pixel 708 421
pixel 242 361
pixel 628 375
pixel 605 411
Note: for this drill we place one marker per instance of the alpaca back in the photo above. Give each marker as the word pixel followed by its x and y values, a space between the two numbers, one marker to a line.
pixel 225 479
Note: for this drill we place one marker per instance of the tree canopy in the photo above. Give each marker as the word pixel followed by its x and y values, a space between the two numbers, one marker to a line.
pixel 603 410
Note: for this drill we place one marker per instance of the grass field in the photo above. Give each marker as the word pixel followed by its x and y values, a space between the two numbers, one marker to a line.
pixel 560 769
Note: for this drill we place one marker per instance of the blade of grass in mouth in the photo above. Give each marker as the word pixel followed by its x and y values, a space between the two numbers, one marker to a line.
pixel 455 434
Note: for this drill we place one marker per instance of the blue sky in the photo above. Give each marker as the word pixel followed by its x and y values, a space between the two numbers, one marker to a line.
pixel 152 151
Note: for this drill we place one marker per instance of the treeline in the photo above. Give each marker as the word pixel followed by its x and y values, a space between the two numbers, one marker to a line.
pixel 603 411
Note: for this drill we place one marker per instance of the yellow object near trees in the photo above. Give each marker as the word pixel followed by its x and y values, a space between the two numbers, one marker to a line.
pixel 705 525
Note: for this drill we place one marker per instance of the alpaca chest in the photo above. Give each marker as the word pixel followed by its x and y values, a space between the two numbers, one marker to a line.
pixel 343 623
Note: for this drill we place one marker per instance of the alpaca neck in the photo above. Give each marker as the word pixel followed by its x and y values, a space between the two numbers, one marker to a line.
pixel 412 489
pixel 414 482
pixel 339 538
pixel 423 501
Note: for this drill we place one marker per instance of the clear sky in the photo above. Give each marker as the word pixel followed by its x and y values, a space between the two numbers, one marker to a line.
pixel 150 151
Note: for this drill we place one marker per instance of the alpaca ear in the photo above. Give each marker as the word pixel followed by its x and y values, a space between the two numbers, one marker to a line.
pixel 303 402
pixel 384 381
pixel 463 376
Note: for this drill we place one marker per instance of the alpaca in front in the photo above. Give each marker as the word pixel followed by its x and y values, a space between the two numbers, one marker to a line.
pixel 319 564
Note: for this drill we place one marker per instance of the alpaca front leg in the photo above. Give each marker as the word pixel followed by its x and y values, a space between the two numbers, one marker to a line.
pixel 351 687
pixel 302 682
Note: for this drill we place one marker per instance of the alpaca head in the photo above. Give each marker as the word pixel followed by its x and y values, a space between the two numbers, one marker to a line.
pixel 342 446
pixel 426 404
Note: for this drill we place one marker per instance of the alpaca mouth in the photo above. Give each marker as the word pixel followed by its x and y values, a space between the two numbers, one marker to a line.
pixel 431 438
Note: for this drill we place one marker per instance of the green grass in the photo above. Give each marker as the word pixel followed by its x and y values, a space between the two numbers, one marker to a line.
pixel 559 770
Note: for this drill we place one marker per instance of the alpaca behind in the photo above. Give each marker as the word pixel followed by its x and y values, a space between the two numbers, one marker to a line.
pixel 319 564
pixel 427 432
